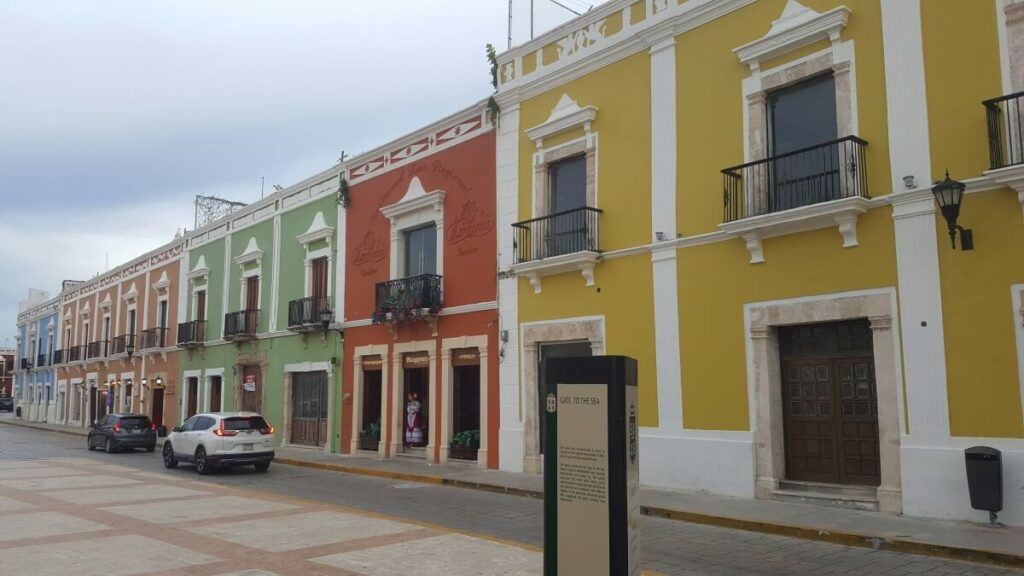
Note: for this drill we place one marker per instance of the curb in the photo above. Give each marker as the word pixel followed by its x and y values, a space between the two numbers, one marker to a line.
pixel 44 428
pixel 793 531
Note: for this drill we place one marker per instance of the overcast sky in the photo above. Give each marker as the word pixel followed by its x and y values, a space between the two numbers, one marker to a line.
pixel 113 115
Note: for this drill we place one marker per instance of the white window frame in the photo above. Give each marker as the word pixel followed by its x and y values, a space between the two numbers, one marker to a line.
pixel 252 253
pixel 416 209
pixel 318 230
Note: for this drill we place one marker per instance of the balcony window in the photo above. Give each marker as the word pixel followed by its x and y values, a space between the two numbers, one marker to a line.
pixel 304 313
pixel 192 334
pixel 420 253
pixel 241 325
pixel 1005 130
pixel 406 299
pixel 154 338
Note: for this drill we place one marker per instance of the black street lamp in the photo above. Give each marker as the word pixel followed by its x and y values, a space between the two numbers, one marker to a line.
pixel 326 315
pixel 950 194
pixel 130 349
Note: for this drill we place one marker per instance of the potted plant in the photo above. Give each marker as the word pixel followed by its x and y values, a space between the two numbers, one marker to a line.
pixel 369 437
pixel 464 445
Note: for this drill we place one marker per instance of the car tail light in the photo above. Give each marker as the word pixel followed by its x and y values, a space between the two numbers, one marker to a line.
pixel 222 432
pixel 152 427
pixel 117 427
pixel 268 429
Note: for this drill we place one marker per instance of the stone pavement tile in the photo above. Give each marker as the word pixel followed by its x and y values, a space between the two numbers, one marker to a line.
pixel 40 524
pixel 112 468
pixel 285 533
pixel 73 461
pixel 40 472
pixel 12 505
pixel 112 556
pixel 124 494
pixel 450 555
pixel 23 464
pixel 249 573
pixel 198 509
pixel 66 482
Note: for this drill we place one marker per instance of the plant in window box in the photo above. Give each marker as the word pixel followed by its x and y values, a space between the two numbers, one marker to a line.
pixel 464 445
pixel 370 436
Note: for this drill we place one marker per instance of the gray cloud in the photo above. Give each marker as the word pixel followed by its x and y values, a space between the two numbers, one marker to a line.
pixel 114 114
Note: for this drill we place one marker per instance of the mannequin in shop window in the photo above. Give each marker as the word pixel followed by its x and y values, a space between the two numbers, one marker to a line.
pixel 413 421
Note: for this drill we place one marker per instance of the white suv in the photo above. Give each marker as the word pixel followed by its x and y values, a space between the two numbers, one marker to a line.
pixel 216 439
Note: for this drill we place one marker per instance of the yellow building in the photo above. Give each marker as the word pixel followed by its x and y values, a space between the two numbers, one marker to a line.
pixel 738 194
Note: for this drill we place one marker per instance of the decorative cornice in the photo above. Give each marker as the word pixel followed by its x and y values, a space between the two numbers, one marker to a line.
pixel 252 253
pixel 416 198
pixel 163 283
pixel 200 270
pixel 566 115
pixel 318 230
pixel 797 27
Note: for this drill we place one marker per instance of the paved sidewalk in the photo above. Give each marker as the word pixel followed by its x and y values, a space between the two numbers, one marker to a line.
pixel 961 540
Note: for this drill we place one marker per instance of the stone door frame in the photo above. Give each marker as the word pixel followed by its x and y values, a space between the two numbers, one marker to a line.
pixel 447 393
pixel 765 381
pixel 358 384
pixel 534 334
pixel 394 414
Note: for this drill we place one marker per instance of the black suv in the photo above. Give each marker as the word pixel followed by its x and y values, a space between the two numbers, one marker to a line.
pixel 6 404
pixel 118 431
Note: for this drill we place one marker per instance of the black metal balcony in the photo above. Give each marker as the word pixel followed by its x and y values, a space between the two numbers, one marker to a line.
pixel 119 345
pixel 304 313
pixel 75 354
pixel 192 334
pixel 42 360
pixel 813 175
pixel 153 338
pixel 58 357
pixel 561 233
pixel 241 325
pixel 97 349
pixel 1005 130
pixel 408 299
pixel 26 364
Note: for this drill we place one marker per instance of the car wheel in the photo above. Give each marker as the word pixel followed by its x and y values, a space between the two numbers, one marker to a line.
pixel 169 460
pixel 150 448
pixel 89 444
pixel 262 466
pixel 202 466
pixel 109 446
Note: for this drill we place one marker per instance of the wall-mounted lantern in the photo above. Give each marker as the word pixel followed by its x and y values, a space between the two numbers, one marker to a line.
pixel 326 315
pixel 950 194
pixel 130 349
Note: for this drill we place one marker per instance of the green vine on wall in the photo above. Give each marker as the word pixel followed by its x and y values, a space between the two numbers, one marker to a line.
pixel 343 193
pixel 493 110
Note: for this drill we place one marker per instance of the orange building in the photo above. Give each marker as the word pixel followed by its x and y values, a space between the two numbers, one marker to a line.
pixel 117 353
pixel 419 295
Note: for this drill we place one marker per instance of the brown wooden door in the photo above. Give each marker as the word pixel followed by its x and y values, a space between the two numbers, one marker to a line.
pixel 318 279
pixel 252 389
pixel 215 393
pixel 157 416
pixel 830 407
pixel 252 293
pixel 309 408
pixel 192 401
pixel 201 305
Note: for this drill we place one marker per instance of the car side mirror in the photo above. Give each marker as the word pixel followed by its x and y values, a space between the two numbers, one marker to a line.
pixel 176 429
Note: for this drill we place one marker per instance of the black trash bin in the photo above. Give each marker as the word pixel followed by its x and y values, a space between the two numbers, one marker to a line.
pixel 985 479
pixel 17 412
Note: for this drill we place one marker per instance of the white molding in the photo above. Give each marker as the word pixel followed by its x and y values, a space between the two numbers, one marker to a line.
pixel 131 295
pixel 417 207
pixel 252 253
pixel 841 213
pixel 200 270
pixel 162 283
pixel 582 262
pixel 416 198
pixel 309 367
pixel 905 92
pixel 1017 301
pixel 1011 176
pixel 318 230
pixel 452 311
pixel 797 27
pixel 566 115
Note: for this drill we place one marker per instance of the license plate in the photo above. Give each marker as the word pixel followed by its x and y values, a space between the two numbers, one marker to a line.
pixel 247 447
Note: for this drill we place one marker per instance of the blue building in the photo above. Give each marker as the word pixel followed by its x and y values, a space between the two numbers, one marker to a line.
pixel 38 333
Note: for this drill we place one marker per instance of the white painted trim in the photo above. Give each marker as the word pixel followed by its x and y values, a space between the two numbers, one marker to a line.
pixel 798 26
pixel 318 230
pixel 395 418
pixel 226 287
pixel 905 92
pixel 566 115
pixel 1017 300
pixel 582 262
pixel 447 393
pixel 201 270
pixel 252 253
pixel 183 398
pixel 417 208
pixel 357 395
pixel 1004 47
pixel 340 266
pixel 275 280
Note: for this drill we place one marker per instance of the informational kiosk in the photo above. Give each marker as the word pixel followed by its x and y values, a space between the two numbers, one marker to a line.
pixel 591 467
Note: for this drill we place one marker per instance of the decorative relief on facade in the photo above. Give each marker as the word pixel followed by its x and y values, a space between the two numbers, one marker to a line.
pixel 123 273
pixel 470 223
pixel 456 131
pixel 582 38
pixel 370 249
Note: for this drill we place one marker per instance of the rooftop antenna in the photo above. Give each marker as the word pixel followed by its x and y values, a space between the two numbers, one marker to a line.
pixel 261 187
pixel 341 159
pixel 278 188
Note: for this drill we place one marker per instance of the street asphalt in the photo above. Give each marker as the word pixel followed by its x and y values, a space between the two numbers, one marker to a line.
pixel 669 547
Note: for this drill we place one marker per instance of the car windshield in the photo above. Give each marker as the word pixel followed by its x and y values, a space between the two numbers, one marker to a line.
pixel 134 422
pixel 245 423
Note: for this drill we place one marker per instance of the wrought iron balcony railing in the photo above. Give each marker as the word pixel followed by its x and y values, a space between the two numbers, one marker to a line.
pixel 25 364
pixel 58 357
pixel 119 345
pixel 42 360
pixel 557 234
pixel 192 334
pixel 304 313
pixel 408 299
pixel 153 338
pixel 812 175
pixel 97 349
pixel 1005 130
pixel 241 325
pixel 75 354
